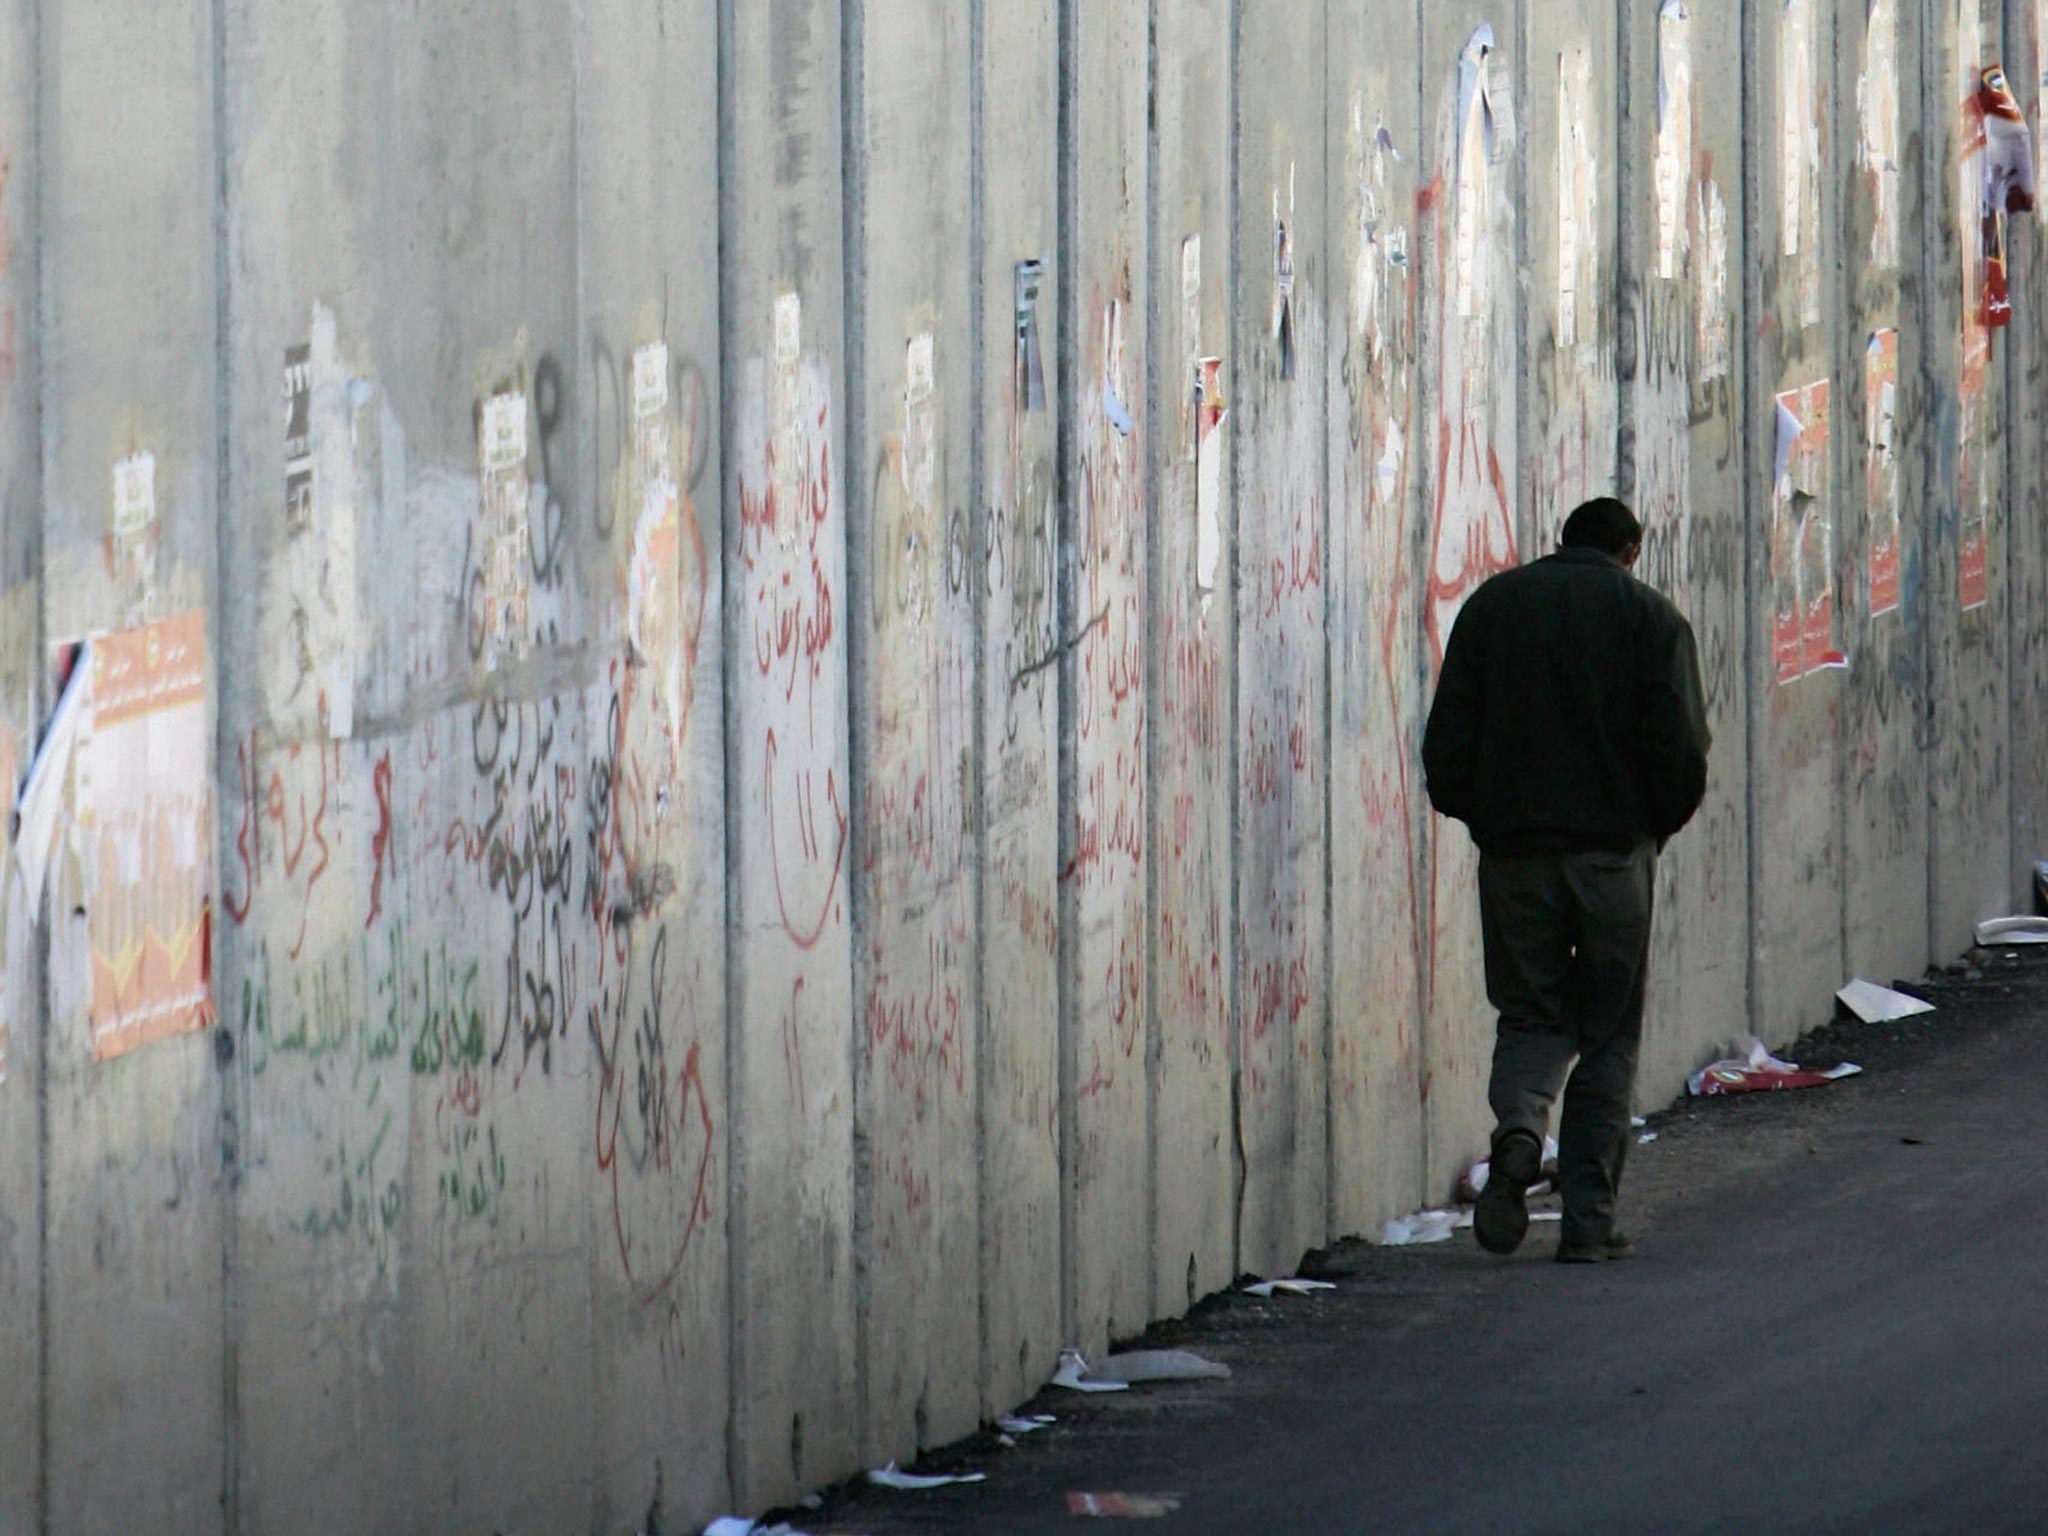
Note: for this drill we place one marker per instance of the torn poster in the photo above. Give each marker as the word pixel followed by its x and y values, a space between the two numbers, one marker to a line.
pixel 1485 130
pixel 1283 287
pixel 309 614
pixel 1578 198
pixel 507 512
pixel 44 790
pixel 1799 154
pixel 1995 139
pixel 1710 301
pixel 1210 414
pixel 135 531
pixel 1877 149
pixel 298 438
pixel 654 576
pixel 1881 466
pixel 1674 134
pixel 919 533
pixel 149 835
pixel 1802 536
pixel 1190 336
pixel 13 896
pixel 1029 363
pixel 790 439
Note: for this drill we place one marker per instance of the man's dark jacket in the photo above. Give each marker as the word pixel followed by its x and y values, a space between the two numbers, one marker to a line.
pixel 1569 713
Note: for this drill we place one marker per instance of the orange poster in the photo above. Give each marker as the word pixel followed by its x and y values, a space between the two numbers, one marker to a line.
pixel 1880 406
pixel 149 826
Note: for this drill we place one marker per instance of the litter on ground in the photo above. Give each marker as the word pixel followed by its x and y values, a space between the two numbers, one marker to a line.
pixel 1880 1005
pixel 1124 1506
pixel 1143 1365
pixel 1073 1374
pixel 1025 1423
pixel 1756 1070
pixel 2012 930
pixel 1424 1227
pixel 892 1476
pixel 1295 1287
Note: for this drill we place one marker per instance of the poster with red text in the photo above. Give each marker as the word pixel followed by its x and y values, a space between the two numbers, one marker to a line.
pixel 148 826
pixel 1802 536
pixel 1881 466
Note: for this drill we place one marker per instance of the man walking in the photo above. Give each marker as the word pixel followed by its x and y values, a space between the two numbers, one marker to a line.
pixel 1569 735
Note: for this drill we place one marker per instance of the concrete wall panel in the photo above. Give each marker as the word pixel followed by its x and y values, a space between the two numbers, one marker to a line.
pixel 1193 619
pixel 1969 831
pixel 786 570
pixel 913 651
pixel 1796 694
pixel 1378 805
pixel 21 1029
pixel 1884 785
pixel 135 1217
pixel 1468 211
pixel 1282 666
pixel 1104 899
pixel 1683 251
pixel 1020 1025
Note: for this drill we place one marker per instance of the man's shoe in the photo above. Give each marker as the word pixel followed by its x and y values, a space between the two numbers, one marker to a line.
pixel 1613 1246
pixel 1502 1217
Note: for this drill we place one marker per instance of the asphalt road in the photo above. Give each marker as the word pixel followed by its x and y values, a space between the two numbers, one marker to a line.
pixel 1837 1321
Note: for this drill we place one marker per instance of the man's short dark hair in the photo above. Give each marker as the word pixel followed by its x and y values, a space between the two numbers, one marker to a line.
pixel 1603 524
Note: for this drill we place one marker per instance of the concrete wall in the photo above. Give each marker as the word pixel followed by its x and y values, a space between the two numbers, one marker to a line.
pixel 771 866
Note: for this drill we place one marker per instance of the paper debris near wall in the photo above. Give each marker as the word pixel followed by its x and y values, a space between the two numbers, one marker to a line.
pixel 1294 1287
pixel 1754 1069
pixel 910 1482
pixel 2013 930
pixel 148 818
pixel 1122 1506
pixel 1874 1004
pixel 1433 1226
pixel 1074 1375
pixel 1137 1366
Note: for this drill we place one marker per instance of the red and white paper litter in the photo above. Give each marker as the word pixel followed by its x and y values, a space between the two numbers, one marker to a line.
pixel 1758 1071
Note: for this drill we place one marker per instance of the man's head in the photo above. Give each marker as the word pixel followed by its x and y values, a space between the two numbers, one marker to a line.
pixel 1606 525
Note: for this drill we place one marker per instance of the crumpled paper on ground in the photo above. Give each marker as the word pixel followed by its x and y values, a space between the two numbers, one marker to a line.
pixel 1434 1226
pixel 1474 1180
pixel 1295 1287
pixel 1757 1070
pixel 892 1476
pixel 1874 1004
